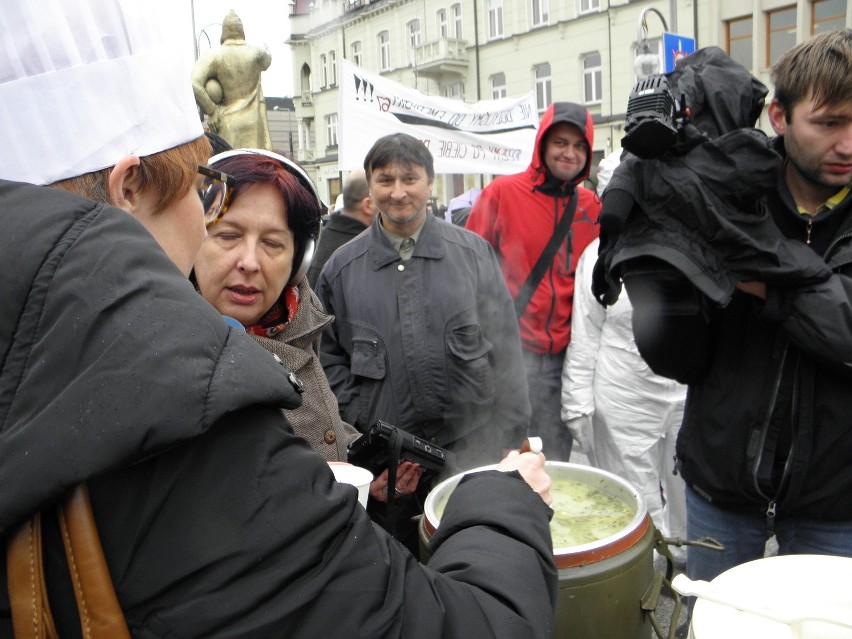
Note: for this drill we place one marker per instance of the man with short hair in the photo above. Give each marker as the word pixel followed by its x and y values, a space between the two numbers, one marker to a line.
pixel 766 441
pixel 424 335
pixel 518 215
pixel 357 214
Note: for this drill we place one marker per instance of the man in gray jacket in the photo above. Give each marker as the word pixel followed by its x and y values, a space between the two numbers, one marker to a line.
pixel 425 335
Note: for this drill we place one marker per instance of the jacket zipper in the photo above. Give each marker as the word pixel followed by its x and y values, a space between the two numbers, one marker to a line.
pixel 772 502
pixel 550 277
pixel 832 246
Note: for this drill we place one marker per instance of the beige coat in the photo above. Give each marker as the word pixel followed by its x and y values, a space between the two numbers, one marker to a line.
pixel 317 420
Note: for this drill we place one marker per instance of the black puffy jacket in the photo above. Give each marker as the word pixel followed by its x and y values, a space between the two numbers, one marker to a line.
pixel 216 520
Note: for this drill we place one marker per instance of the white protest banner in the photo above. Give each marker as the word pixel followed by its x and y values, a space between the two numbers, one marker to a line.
pixel 490 136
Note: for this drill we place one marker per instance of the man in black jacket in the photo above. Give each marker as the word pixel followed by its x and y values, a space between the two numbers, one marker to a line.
pixel 765 443
pixel 216 520
pixel 356 215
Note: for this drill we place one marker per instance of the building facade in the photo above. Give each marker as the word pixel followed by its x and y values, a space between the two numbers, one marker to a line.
pixel 563 50
pixel 283 127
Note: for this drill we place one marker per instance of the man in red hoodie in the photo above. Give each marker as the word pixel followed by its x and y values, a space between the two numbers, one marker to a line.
pixel 518 215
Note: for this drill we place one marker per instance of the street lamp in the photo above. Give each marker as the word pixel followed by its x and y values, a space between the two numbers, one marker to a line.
pixel 203 32
pixel 646 63
pixel 289 127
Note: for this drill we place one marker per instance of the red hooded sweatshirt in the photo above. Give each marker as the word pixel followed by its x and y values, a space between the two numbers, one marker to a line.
pixel 517 215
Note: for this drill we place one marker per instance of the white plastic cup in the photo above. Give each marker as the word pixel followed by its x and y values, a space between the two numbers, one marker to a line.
pixel 346 473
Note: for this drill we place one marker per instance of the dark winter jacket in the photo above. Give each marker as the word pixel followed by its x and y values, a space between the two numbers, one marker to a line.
pixel 216 520
pixel 517 215
pixel 767 423
pixel 430 344
pixel 340 229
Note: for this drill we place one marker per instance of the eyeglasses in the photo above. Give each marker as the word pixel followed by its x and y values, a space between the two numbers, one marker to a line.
pixel 215 192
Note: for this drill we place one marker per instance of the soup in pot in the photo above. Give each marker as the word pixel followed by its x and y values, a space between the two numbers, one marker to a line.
pixel 582 514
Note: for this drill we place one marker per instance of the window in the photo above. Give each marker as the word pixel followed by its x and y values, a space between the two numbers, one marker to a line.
pixel 356 53
pixel 331 129
pixel 592 78
pixel 587 6
pixel 457 21
pixel 305 77
pixel 454 91
pixel 332 67
pixel 739 36
pixel 498 86
pixel 828 15
pixel 495 19
pixel 441 23
pixel 333 185
pixel 323 71
pixel 539 12
pixel 414 33
pixel 542 87
pixel 384 51
pixel 780 33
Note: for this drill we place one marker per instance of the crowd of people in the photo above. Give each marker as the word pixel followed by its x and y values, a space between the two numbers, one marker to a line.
pixel 188 343
pixel 214 517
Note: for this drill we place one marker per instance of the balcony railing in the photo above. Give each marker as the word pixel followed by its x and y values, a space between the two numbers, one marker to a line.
pixel 445 56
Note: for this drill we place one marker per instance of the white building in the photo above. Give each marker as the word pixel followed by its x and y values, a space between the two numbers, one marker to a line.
pixel 564 50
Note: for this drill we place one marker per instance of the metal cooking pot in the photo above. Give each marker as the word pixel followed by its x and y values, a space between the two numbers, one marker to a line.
pixel 601 583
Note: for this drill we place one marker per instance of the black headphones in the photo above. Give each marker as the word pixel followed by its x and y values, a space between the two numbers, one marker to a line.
pixel 300 269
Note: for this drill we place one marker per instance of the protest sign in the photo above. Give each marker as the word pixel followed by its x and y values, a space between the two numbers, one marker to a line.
pixel 489 136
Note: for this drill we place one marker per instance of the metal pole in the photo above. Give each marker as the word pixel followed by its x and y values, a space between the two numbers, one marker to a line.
pixel 642 33
pixel 646 63
pixel 194 38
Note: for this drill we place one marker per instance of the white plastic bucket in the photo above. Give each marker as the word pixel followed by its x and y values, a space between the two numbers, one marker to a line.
pixel 794 584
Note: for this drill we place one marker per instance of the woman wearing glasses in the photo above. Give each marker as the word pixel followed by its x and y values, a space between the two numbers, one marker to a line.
pixel 252 268
pixel 161 191
pixel 215 520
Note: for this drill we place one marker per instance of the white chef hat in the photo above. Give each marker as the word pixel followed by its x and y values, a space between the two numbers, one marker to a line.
pixel 85 82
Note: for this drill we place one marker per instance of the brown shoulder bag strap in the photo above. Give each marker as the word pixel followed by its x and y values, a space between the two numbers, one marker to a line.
pixel 101 616
pixel 31 617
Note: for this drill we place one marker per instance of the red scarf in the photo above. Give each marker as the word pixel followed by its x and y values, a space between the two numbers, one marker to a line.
pixel 276 318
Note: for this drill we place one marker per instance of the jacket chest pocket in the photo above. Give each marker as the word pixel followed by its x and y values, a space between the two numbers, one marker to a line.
pixel 471 378
pixel 368 365
pixel 368 356
pixel 564 255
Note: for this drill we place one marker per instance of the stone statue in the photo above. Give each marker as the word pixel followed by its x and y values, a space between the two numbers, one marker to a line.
pixel 226 83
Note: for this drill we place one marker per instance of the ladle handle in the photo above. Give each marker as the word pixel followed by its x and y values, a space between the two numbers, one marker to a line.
pixel 532 445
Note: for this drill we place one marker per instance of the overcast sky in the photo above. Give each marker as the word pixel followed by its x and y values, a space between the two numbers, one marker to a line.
pixel 265 22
